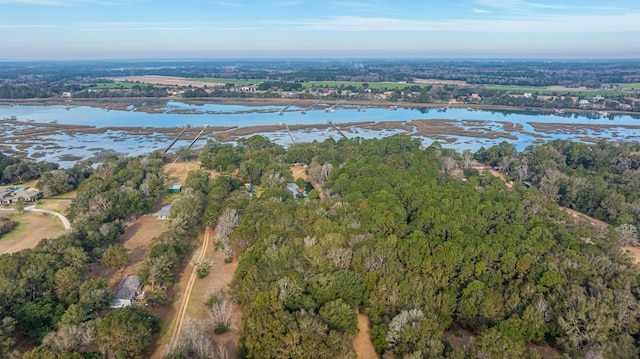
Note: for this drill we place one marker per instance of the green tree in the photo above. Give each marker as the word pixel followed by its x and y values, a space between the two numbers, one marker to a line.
pixel 339 316
pixel 493 344
pixel 115 256
pixel 7 341
pixel 126 332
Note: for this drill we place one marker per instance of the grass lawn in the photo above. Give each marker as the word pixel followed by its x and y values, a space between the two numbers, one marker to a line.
pixel 229 81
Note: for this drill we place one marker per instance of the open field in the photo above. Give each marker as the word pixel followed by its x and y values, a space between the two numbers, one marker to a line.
pixel 32 228
pixel 229 81
pixel 113 85
pixel 164 80
pixel 631 86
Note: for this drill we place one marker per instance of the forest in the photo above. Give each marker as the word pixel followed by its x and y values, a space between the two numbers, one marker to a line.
pixel 413 236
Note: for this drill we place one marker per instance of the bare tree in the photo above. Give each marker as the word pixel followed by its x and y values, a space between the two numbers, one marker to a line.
pixel 227 222
pixel 402 322
pixel 340 256
pixel 627 234
pixel 448 163
pixel 66 339
pixel 320 173
pixel 194 341
pixel 522 170
pixel 220 316
pixel 467 158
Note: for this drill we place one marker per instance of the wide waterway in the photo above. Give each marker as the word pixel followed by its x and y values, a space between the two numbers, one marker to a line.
pixel 457 128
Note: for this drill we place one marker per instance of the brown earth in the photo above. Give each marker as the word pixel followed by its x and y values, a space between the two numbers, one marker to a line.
pixel 439 82
pixel 362 341
pixel 178 172
pixel 634 251
pixel 33 227
pixel 136 238
pixel 165 80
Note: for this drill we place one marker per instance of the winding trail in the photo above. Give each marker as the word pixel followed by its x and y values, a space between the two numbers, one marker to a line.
pixel 65 221
pixel 32 208
pixel 175 335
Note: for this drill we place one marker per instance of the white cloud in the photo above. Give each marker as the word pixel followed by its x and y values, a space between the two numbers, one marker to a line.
pixel 287 3
pixel 480 11
pixel 539 24
pixel 60 3
pixel 162 26
pixel 229 4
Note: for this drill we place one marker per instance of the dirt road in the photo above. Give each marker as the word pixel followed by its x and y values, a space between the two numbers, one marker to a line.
pixel 175 335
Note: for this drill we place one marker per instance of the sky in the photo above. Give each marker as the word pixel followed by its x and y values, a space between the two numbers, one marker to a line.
pixel 208 29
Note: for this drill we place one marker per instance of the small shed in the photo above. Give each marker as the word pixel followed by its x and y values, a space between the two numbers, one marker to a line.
pixel 176 188
pixel 127 291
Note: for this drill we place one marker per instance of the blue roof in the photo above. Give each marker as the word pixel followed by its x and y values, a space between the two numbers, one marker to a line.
pixel 18 189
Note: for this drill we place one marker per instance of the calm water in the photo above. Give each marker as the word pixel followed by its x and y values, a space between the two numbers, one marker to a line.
pixel 245 116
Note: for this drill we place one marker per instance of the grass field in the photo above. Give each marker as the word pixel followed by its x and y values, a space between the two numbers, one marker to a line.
pixel 114 85
pixel 631 86
pixel 228 81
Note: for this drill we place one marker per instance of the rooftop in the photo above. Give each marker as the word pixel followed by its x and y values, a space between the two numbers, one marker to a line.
pixel 128 287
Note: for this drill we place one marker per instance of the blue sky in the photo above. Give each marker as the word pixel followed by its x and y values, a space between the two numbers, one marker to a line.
pixel 122 29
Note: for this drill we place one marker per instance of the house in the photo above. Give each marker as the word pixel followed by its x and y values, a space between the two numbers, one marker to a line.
pixel 584 103
pixel 176 188
pixel 5 194
pixel 10 195
pixel 127 292
pixel 528 95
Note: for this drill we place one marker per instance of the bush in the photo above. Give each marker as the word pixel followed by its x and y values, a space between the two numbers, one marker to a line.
pixel 213 301
pixel 221 328
pixel 202 269
pixel 159 298
pixel 7 225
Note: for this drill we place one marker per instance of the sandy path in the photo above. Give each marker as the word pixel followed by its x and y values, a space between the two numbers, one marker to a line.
pixel 362 341
pixel 175 335
pixel 635 252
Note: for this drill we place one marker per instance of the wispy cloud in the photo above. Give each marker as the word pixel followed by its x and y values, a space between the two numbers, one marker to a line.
pixel 287 3
pixel 26 26
pixel 163 26
pixel 520 4
pixel 538 24
pixel 60 3
pixel 229 4
pixel 480 11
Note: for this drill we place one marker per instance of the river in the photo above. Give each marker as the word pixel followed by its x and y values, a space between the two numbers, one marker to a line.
pixel 457 128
